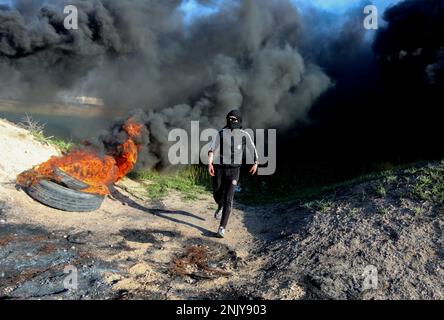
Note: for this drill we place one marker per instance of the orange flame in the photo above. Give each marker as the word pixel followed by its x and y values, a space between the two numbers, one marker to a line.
pixel 97 171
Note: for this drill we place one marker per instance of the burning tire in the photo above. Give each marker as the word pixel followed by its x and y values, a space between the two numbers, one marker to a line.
pixel 69 181
pixel 60 182
pixel 61 198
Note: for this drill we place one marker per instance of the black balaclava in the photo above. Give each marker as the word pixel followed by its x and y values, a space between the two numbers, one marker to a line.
pixel 233 125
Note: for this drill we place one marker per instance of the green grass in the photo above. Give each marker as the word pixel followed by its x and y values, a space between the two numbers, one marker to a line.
pixel 429 185
pixel 187 182
pixel 285 191
pixel 354 211
pixel 380 190
pixel 417 211
pixel 62 145
pixel 193 181
pixel 383 210
pixel 323 205
pixel 299 193
pixel 36 129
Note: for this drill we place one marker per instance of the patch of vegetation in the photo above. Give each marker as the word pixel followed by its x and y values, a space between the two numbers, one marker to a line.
pixel 429 185
pixel 380 190
pixel 323 205
pixel 293 193
pixel 62 145
pixel 417 211
pixel 186 181
pixel 36 129
pixel 307 185
pixel 383 210
pixel 412 170
pixel 354 211
pixel 391 179
pixel 192 181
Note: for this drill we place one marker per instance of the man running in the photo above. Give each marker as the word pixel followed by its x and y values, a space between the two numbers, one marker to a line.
pixel 224 162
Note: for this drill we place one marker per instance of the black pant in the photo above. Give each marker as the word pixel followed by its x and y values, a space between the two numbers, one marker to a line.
pixel 224 186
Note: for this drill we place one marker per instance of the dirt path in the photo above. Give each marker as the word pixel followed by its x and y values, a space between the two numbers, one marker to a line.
pixel 130 246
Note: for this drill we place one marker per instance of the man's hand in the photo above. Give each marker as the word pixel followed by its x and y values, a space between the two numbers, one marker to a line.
pixel 253 169
pixel 210 163
pixel 211 170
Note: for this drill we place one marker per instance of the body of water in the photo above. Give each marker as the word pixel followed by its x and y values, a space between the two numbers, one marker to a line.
pixel 68 127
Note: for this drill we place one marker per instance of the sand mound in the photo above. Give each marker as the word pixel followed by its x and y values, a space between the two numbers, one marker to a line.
pixel 362 244
pixel 19 151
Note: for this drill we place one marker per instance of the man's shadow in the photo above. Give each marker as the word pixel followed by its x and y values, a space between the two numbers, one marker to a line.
pixel 116 195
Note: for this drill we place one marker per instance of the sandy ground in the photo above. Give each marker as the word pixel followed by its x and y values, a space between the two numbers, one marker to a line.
pixel 152 236
pixel 139 239
pixel 20 151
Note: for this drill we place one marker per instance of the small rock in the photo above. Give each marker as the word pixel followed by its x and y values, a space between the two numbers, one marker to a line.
pixel 140 269
pixel 79 238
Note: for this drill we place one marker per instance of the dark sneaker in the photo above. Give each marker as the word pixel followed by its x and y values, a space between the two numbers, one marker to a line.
pixel 221 232
pixel 218 213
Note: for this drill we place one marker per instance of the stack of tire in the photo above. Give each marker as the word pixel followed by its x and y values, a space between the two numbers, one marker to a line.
pixel 65 194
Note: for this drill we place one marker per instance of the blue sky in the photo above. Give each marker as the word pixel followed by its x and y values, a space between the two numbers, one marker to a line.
pixel 341 5
pixel 192 8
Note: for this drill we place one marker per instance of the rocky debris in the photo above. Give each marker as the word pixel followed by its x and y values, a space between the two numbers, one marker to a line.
pixel 80 238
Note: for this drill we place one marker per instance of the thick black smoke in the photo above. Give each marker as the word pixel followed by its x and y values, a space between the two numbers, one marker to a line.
pixel 366 99
pixel 411 48
pixel 140 54
pixel 409 57
pixel 386 104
